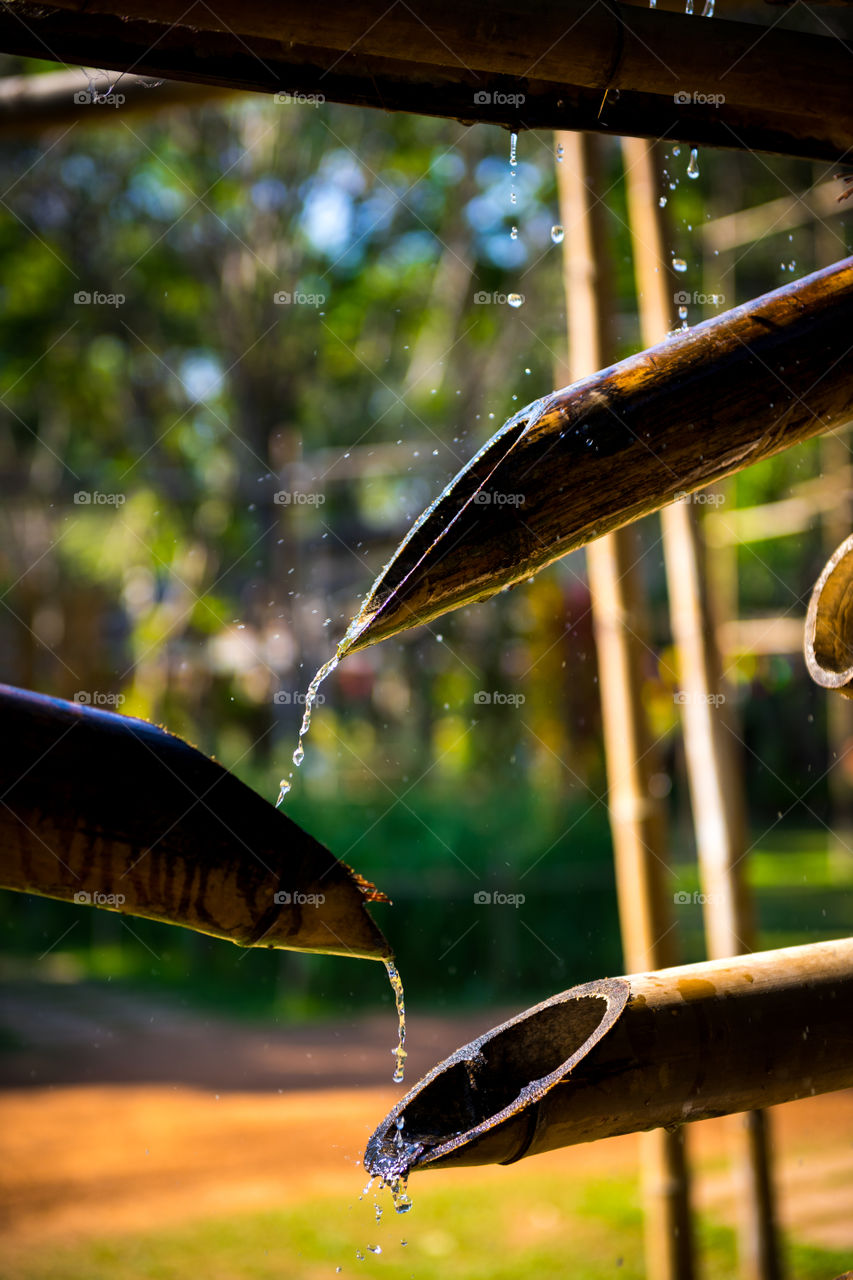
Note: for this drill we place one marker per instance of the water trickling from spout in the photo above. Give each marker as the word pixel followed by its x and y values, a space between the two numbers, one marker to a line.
pixel 310 700
pixel 399 999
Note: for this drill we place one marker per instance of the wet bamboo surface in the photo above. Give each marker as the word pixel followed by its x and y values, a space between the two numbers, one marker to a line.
pixel 614 68
pixel 624 1054
pixel 596 455
pixel 114 811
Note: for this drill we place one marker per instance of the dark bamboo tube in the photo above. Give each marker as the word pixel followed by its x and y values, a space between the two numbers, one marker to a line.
pixel 113 811
pixel 622 1055
pixel 619 68
pixel 829 623
pixel 596 455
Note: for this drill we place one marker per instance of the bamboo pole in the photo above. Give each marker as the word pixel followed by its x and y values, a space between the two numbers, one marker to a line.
pixel 596 455
pixel 115 812
pixel 31 104
pixel 716 788
pixel 521 63
pixel 637 820
pixel 621 1054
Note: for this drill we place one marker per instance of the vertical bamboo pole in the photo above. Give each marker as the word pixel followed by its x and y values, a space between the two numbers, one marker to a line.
pixel 715 787
pixel 636 819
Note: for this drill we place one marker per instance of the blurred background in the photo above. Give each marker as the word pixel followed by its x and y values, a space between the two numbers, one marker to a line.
pixel 241 348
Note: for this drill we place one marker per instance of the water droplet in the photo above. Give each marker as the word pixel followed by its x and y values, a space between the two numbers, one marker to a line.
pixel 513 149
pixel 513 235
pixel 299 755
pixel 513 198
pixel 359 1255
pixel 676 151
pixel 515 299
pixel 662 202
pixel 559 153
pixel 678 264
pixel 375 1248
pixel 557 233
pixel 708 11
pixel 284 787
pixel 693 166
pixel 688 8
pixel 682 313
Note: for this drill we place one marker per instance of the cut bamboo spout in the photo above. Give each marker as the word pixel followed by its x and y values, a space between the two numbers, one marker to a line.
pixel 596 455
pixel 113 811
pixel 627 1054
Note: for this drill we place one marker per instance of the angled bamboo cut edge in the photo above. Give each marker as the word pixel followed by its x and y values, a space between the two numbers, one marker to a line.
pixel 828 642
pixel 627 1054
pixel 588 458
pixel 113 811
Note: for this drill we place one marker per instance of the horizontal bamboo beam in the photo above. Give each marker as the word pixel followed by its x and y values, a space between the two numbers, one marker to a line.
pixel 30 104
pixel 774 217
pixel 619 68
pixel 623 1055
pixel 113 811
pixel 591 457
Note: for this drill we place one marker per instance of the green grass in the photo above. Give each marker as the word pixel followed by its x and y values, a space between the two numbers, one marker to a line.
pixel 541 1227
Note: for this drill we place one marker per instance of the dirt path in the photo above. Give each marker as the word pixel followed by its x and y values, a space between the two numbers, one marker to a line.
pixel 117 1114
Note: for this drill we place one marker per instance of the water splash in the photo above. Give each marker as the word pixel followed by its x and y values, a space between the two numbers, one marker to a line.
pixel 513 150
pixel 557 233
pixel 399 999
pixel 693 166
pixel 708 11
